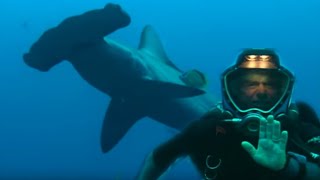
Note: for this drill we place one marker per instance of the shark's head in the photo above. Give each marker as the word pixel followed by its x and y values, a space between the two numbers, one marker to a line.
pixel 40 61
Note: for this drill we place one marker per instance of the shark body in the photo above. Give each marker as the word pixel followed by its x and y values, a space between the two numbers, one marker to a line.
pixel 141 82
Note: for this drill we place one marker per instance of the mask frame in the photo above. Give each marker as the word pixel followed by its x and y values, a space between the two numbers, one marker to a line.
pixel 256 59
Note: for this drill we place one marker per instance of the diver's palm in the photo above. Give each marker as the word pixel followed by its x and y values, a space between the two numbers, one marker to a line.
pixel 271 150
pixel 270 154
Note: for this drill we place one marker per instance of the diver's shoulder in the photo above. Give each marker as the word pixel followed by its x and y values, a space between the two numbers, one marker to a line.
pixel 303 105
pixel 210 118
pixel 214 113
pixel 307 113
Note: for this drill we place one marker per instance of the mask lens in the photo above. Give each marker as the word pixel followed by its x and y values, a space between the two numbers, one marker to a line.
pixel 260 89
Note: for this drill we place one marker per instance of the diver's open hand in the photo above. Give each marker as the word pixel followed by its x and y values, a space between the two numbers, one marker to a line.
pixel 271 150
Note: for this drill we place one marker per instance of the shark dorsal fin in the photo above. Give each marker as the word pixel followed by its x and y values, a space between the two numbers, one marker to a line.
pixel 150 41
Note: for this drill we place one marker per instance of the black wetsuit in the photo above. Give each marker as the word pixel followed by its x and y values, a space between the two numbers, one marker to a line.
pixel 207 139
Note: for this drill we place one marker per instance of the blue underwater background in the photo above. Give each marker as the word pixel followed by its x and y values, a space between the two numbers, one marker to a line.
pixel 50 121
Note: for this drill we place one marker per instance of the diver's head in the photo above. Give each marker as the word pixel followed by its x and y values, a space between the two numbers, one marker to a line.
pixel 257 84
pixel 256 88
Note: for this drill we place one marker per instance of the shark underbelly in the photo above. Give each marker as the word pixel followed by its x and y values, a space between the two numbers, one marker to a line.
pixel 179 112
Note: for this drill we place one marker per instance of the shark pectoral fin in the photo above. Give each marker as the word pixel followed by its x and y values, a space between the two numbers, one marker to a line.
pixel 120 116
pixel 194 78
pixel 168 90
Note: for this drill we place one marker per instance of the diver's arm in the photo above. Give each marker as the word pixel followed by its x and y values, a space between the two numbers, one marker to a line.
pixel 164 155
pixel 298 167
pixel 305 167
pixel 302 167
pixel 150 169
pixel 182 144
pixel 159 160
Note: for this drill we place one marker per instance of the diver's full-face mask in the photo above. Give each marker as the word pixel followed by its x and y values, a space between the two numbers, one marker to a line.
pixel 256 87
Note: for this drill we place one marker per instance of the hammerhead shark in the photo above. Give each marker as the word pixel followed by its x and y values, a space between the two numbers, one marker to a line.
pixel 141 82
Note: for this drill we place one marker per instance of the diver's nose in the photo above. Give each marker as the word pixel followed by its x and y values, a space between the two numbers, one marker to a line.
pixel 262 92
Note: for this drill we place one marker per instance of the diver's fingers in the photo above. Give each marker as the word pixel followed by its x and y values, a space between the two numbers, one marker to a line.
pixel 276 130
pixel 249 148
pixel 262 130
pixel 283 140
pixel 269 127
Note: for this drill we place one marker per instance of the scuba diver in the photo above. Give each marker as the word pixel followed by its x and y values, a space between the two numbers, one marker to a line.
pixel 255 132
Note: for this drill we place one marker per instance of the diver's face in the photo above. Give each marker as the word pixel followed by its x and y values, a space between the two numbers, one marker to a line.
pixel 258 91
